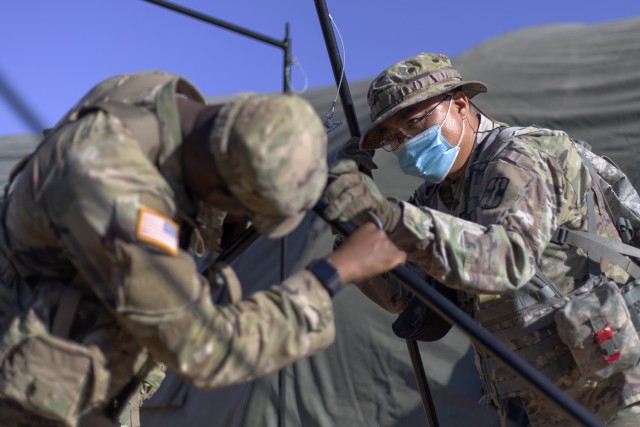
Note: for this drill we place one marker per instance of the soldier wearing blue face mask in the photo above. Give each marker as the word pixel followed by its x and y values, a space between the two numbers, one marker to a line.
pixel 428 154
pixel 483 224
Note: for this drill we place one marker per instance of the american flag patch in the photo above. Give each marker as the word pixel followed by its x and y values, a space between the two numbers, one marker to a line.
pixel 158 230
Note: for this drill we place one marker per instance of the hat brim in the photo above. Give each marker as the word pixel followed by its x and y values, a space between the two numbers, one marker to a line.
pixel 275 227
pixel 372 139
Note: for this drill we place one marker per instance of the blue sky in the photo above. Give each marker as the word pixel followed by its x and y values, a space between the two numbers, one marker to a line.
pixel 53 51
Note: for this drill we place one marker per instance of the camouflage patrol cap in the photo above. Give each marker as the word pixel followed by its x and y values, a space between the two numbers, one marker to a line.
pixel 271 151
pixel 408 82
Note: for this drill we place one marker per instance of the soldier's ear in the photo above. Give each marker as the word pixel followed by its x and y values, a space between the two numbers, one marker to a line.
pixel 460 103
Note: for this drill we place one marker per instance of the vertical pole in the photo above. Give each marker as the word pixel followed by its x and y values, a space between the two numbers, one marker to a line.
pixel 282 374
pixel 352 120
pixel 288 60
pixel 338 67
pixel 423 383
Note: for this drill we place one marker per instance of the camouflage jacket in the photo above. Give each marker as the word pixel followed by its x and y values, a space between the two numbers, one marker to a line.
pixel 488 240
pixel 73 218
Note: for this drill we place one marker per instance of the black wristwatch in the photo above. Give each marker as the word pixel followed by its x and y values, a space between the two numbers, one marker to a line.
pixel 326 274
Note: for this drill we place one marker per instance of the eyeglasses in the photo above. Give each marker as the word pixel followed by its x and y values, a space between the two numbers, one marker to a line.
pixel 413 127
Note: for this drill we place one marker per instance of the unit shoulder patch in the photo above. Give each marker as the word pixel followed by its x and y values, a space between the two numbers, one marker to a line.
pixel 494 193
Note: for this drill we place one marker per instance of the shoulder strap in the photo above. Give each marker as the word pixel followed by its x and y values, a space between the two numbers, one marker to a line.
pixel 481 155
pixel 484 150
pixel 597 246
pixel 498 134
pixel 142 123
pixel 19 167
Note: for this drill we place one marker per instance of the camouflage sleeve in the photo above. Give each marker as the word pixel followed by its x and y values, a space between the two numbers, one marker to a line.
pixel 524 194
pixel 152 288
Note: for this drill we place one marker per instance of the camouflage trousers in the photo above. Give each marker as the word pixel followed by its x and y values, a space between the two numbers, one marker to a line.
pixel 628 417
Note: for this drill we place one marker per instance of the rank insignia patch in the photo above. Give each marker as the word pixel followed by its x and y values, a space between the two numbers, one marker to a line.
pixel 158 230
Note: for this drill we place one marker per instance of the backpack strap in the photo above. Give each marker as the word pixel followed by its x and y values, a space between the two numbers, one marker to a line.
pixel 483 152
pixel 597 246
pixel 623 224
pixel 142 123
pixel 592 227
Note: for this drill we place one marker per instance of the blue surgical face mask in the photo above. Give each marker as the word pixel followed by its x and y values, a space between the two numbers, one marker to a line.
pixel 429 155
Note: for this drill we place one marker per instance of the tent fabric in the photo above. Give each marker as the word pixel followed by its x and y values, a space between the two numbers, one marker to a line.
pixel 12 149
pixel 583 79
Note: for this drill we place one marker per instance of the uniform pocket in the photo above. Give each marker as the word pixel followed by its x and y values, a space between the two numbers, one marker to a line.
pixel 597 328
pixel 50 376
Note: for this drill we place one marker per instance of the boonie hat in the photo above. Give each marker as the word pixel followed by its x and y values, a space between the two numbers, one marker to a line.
pixel 271 151
pixel 408 82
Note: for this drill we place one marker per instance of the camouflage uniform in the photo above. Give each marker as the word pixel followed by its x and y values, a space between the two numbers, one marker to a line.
pixel 489 238
pixel 78 223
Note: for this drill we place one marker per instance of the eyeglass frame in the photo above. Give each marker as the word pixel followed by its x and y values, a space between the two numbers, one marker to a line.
pixel 402 132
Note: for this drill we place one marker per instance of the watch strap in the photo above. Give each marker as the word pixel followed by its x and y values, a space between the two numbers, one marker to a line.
pixel 326 274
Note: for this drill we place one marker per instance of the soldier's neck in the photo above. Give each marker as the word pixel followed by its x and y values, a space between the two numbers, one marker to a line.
pixel 194 116
pixel 196 122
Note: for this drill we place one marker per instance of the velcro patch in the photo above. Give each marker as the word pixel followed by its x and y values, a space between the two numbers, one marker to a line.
pixel 494 193
pixel 158 230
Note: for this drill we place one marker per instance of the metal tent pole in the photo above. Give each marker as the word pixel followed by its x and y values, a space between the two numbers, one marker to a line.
pixel 352 121
pixel 452 314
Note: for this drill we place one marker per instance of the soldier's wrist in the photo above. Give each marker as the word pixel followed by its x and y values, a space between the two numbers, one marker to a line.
pixel 406 234
pixel 327 275
pixel 393 216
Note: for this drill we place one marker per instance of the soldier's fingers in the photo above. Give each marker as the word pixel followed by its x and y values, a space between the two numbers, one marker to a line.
pixel 343 166
pixel 339 209
pixel 358 204
pixel 340 185
pixel 336 187
pixel 386 255
pixel 351 202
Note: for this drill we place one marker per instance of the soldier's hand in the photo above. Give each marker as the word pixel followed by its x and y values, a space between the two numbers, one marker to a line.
pixel 351 194
pixel 363 158
pixel 366 253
